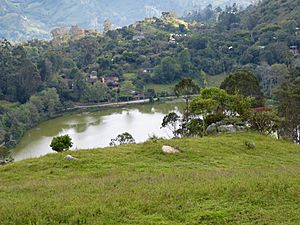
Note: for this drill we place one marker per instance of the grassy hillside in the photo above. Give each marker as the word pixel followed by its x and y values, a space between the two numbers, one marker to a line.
pixel 215 180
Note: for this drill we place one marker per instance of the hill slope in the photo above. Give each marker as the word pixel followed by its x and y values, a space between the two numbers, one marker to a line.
pixel 214 180
pixel 24 19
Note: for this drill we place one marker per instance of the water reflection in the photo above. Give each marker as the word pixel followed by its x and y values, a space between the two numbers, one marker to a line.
pixel 96 129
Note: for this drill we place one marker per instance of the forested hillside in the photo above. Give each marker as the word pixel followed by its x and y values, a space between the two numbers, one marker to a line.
pixel 144 59
pixel 20 20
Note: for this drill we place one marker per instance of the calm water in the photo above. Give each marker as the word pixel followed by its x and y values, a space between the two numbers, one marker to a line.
pixel 96 129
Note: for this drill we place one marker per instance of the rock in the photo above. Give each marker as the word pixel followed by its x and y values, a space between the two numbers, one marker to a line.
pixel 212 129
pixel 169 150
pixel 227 129
pixel 70 158
pixel 250 144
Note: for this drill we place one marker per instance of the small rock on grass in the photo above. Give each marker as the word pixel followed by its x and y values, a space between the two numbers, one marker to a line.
pixel 70 158
pixel 169 150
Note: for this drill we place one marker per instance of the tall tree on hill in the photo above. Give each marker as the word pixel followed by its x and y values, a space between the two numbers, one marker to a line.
pixel 167 71
pixel 288 96
pixel 186 88
pixel 245 83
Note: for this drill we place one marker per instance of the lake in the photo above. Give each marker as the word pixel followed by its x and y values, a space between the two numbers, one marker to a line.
pixel 96 129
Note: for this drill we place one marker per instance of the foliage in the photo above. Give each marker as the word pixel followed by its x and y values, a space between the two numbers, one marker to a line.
pixel 214 105
pixel 288 97
pixel 167 71
pixel 186 88
pixel 61 143
pixel 265 122
pixel 172 121
pixel 245 83
pixel 122 139
pixel 15 121
pixel 127 89
pixel 260 39
pixel 19 77
pixel 5 156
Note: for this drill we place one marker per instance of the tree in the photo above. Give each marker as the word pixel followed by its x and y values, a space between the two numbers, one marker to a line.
pixel 217 104
pixel 185 61
pixel 245 83
pixel 186 88
pixel 167 71
pixel 122 139
pixel 288 96
pixel 126 89
pixel 171 121
pixel 271 77
pixel 204 108
pixel 265 122
pixel 61 143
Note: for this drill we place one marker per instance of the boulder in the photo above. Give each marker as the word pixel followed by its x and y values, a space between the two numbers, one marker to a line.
pixel 169 150
pixel 70 158
pixel 212 129
pixel 227 129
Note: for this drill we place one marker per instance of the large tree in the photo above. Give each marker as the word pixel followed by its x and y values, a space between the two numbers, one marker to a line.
pixel 288 97
pixel 246 84
pixel 186 88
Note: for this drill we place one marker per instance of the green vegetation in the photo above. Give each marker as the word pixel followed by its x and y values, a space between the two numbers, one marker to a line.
pixel 145 59
pixel 61 143
pixel 122 139
pixel 214 180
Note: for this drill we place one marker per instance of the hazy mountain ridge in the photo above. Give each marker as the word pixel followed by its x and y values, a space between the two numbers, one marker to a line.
pixel 22 19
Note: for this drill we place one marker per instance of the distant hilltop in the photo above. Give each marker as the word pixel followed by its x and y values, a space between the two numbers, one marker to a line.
pixel 21 20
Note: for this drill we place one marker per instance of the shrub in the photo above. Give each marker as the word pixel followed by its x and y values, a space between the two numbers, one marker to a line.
pixel 5 156
pixel 61 143
pixel 122 139
pixel 265 122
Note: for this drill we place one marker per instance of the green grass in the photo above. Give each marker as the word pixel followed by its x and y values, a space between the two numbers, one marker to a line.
pixel 214 180
pixel 169 88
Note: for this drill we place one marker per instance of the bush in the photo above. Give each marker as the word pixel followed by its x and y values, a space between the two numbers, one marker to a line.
pixel 122 139
pixel 61 143
pixel 5 156
pixel 265 122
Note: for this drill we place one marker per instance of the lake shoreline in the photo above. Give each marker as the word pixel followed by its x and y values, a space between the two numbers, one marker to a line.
pixel 103 121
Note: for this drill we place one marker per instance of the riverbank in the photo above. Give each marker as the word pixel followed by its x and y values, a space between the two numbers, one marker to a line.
pixel 77 108
pixel 213 180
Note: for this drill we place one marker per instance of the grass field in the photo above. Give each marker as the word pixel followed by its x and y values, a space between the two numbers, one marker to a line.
pixel 214 180
pixel 159 88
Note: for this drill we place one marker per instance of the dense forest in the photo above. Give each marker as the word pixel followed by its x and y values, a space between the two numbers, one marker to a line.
pixel 40 79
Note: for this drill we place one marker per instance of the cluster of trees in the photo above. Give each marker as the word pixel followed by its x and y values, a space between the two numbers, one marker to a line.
pixel 236 105
pixel 19 77
pixel 155 51
pixel 17 119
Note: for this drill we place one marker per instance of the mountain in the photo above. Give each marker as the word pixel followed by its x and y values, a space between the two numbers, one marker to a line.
pixel 25 19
